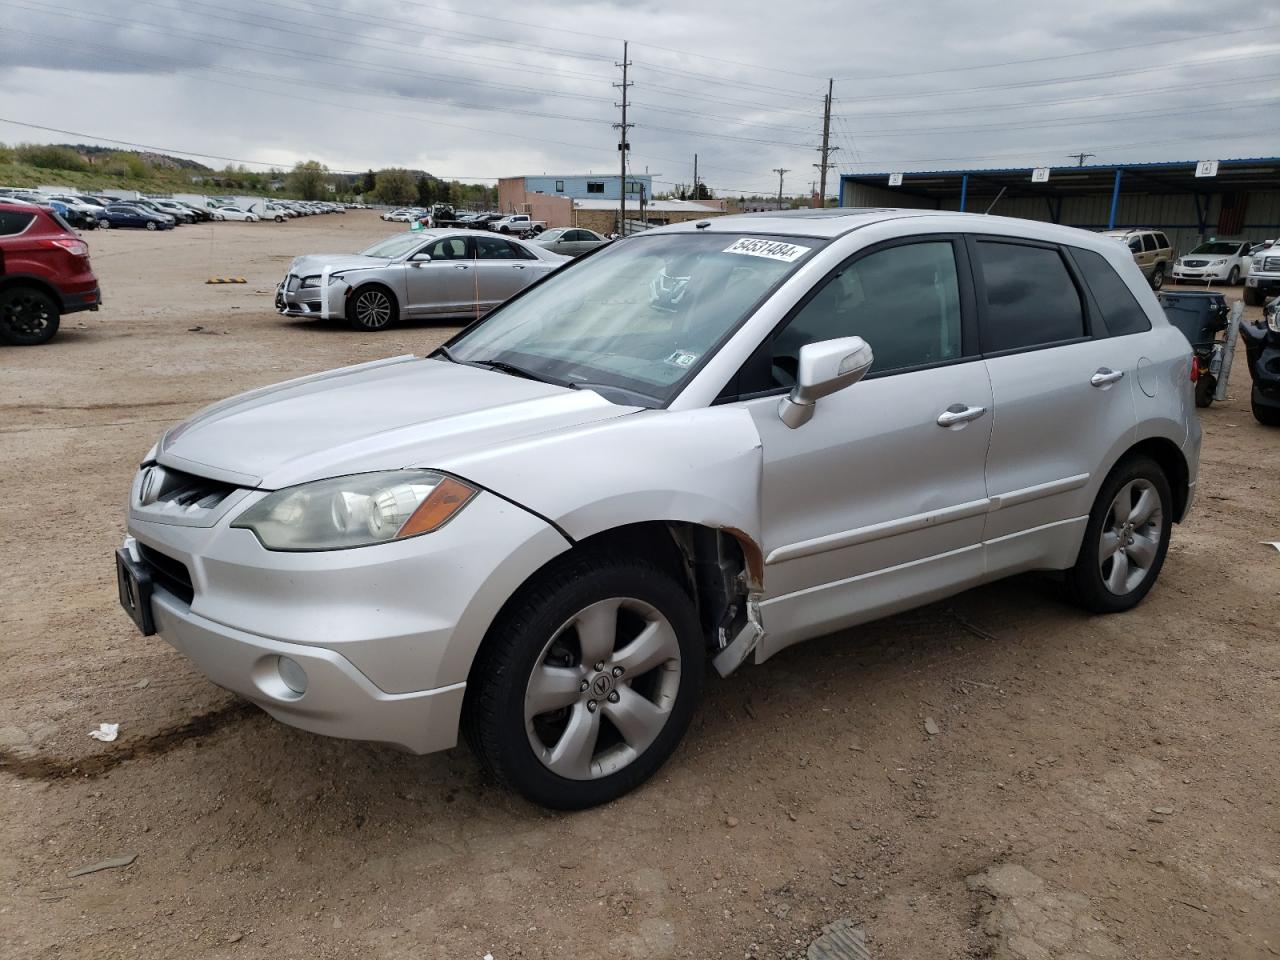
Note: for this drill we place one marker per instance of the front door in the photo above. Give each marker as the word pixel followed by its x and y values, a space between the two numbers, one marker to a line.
pixel 443 284
pixel 878 502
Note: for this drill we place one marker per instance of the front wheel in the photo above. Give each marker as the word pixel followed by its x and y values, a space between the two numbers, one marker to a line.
pixel 104 224
pixel 28 316
pixel 1126 538
pixel 1233 277
pixel 1265 414
pixel 371 309
pixel 587 681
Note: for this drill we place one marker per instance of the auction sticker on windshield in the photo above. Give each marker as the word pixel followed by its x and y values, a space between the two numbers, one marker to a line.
pixel 773 249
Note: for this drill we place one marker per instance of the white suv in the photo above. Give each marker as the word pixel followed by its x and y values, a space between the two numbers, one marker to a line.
pixel 700 444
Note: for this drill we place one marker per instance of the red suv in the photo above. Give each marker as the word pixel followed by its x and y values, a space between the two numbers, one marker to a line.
pixel 44 273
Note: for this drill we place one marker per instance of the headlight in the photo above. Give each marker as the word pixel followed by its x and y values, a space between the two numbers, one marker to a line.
pixel 356 511
pixel 310 281
pixel 1218 263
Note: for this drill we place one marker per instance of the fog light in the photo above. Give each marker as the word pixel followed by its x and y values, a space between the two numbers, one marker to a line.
pixel 294 677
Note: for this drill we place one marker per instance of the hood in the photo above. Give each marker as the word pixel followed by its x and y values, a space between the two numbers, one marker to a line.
pixel 336 262
pixel 401 412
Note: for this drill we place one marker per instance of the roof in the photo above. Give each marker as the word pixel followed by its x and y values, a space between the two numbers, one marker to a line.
pixel 1169 177
pixel 576 176
pixel 652 206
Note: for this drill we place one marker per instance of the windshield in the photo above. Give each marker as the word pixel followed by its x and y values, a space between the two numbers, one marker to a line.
pixel 393 246
pixel 1219 248
pixel 552 234
pixel 637 319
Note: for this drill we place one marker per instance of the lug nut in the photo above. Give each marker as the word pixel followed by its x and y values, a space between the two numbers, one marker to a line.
pixel 617 671
pixel 591 706
pixel 599 665
pixel 583 686
pixel 613 696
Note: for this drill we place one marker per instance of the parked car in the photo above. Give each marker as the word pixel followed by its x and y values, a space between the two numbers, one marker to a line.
pixel 235 213
pixel 427 273
pixel 1151 251
pixel 518 223
pixel 571 241
pixel 202 214
pixel 155 208
pixel 74 216
pixel 660 455
pixel 1263 279
pixel 278 213
pixel 484 221
pixel 44 273
pixel 1217 260
pixel 71 202
pixel 129 215
pixel 178 211
pixel 1262 351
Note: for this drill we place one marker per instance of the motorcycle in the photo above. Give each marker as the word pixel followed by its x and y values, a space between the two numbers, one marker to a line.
pixel 1262 348
pixel 1200 317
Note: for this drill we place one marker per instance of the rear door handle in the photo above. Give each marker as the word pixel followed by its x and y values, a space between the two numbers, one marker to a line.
pixel 1105 377
pixel 518 266
pixel 958 413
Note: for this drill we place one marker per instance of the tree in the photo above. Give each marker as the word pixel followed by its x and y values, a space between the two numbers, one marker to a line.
pixel 369 183
pixel 308 180
pixel 426 191
pixel 703 192
pixel 395 186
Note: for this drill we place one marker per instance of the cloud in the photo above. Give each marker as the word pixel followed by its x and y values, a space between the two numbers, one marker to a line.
pixel 529 87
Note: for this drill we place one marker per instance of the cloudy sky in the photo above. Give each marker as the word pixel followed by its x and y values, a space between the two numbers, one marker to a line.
pixel 476 91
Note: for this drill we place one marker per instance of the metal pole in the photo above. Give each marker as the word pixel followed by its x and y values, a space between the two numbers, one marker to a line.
pixel 622 145
pixel 695 177
pixel 826 148
pixel 964 191
pixel 1228 350
pixel 780 171
pixel 1115 200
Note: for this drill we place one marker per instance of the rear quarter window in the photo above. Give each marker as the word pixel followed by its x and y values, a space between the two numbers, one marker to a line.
pixel 1121 313
pixel 12 222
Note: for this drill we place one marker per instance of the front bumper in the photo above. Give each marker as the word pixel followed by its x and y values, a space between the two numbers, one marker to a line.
pixel 310 301
pixel 385 634
pixel 1269 285
pixel 1200 274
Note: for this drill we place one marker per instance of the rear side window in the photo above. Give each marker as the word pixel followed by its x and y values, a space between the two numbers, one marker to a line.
pixel 1121 313
pixel 12 222
pixel 1162 241
pixel 1149 242
pixel 1031 299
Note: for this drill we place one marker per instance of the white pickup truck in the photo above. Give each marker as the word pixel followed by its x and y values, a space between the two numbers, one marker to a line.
pixel 518 223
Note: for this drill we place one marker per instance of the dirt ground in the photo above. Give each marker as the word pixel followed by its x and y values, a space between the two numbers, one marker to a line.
pixel 1096 787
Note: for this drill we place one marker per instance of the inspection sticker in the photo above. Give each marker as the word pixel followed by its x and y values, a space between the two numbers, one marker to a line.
pixel 682 359
pixel 773 249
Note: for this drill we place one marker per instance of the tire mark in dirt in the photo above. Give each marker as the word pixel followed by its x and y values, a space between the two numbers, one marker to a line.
pixel 55 768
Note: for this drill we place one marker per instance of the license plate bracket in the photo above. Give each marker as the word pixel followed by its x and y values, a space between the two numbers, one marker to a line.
pixel 134 583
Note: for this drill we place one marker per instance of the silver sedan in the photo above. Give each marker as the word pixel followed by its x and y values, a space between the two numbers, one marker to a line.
pixel 417 274
pixel 571 241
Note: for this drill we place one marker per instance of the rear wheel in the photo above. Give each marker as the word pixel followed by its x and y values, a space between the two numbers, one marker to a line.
pixel 587 681
pixel 1265 414
pixel 371 309
pixel 1126 538
pixel 27 316
pixel 151 224
pixel 103 224
pixel 1205 387
pixel 1157 277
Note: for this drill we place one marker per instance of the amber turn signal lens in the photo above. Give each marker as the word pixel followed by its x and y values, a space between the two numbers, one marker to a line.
pixel 448 497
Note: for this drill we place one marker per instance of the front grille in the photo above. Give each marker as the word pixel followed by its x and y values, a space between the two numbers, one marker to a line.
pixel 184 490
pixel 1271 264
pixel 168 573
pixel 1195 263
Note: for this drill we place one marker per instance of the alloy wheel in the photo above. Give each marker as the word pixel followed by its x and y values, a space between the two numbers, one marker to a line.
pixel 373 310
pixel 602 689
pixel 25 317
pixel 1130 540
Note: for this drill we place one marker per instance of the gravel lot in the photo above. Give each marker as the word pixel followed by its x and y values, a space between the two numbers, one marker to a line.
pixel 1097 787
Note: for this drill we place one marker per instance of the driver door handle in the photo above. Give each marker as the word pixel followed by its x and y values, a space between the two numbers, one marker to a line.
pixel 958 413
pixel 1105 377
pixel 462 266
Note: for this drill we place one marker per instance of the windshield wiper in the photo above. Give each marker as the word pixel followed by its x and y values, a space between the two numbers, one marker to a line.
pixel 511 368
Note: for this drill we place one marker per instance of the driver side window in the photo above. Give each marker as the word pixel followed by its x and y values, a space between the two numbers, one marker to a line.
pixel 903 300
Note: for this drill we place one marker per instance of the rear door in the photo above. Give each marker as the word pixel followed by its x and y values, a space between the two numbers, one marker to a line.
pixel 504 269
pixel 442 284
pixel 1063 396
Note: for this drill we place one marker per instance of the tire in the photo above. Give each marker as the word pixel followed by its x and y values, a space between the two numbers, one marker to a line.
pixel 504 229
pixel 279 219
pixel 1205 387
pixel 104 224
pixel 151 224
pixel 372 309
pixel 1252 297
pixel 1233 277
pixel 28 316
pixel 1157 277
pixel 629 723
pixel 1096 582
pixel 1265 414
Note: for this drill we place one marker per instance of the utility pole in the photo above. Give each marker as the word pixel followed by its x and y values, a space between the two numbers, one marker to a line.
pixel 1080 158
pixel 695 177
pixel 780 171
pixel 826 149
pixel 623 145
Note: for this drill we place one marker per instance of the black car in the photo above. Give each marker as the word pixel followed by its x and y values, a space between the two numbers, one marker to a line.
pixel 1262 348
pixel 134 215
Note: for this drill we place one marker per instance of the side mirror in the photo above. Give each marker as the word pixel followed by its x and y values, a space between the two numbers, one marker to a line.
pixel 824 368
pixel 421 258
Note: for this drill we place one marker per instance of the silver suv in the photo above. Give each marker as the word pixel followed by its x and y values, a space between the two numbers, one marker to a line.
pixel 701 444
